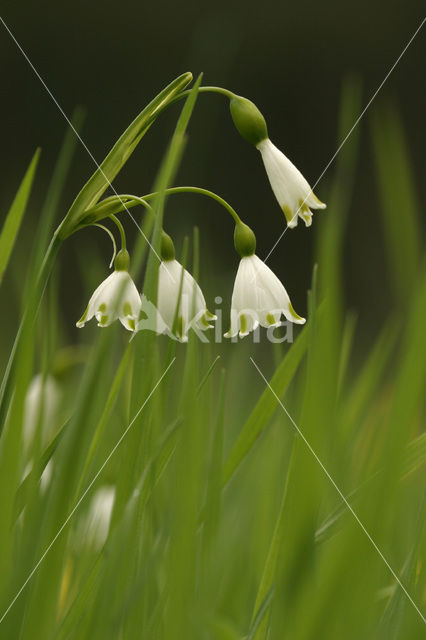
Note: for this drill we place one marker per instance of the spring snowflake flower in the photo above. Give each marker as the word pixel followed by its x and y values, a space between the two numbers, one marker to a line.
pixel 180 301
pixel 41 411
pixel 290 188
pixel 292 191
pixel 116 298
pixel 92 530
pixel 192 311
pixel 258 298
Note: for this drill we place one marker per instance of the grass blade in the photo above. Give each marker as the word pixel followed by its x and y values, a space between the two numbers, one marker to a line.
pixel 14 217
pixel 266 405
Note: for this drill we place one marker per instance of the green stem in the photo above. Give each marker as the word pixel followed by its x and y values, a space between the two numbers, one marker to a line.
pixel 135 200
pixel 114 252
pixel 121 230
pixel 199 190
pixel 225 92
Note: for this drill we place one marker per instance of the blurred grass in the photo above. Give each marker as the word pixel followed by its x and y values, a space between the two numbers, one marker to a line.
pixel 224 526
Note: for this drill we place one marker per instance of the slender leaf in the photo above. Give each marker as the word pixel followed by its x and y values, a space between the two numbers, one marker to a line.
pixel 13 220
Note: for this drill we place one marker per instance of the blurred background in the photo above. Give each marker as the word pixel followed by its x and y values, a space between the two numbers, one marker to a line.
pixel 291 59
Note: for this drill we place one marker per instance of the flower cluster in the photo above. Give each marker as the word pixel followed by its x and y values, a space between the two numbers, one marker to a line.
pixel 258 298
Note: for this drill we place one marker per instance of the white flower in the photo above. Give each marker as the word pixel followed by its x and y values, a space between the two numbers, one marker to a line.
pixel 292 191
pixel 41 412
pixel 116 297
pixel 93 528
pixel 192 312
pixel 42 402
pixel 258 298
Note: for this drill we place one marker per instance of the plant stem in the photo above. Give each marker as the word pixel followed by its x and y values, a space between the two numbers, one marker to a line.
pixel 111 235
pixel 225 92
pixel 204 192
pixel 121 230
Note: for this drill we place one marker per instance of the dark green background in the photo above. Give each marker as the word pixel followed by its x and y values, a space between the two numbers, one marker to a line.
pixel 290 58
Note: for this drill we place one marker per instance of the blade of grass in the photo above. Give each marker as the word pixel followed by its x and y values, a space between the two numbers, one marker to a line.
pixel 14 218
pixel 266 405
pixel 400 210
pixel 269 571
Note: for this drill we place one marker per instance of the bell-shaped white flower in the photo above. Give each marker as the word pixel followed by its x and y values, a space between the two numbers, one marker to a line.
pixel 180 301
pixel 292 191
pixel 93 528
pixel 116 298
pixel 41 409
pixel 187 310
pixel 41 412
pixel 258 298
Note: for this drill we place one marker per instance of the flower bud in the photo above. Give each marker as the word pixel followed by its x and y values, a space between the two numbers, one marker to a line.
pixel 244 240
pixel 248 120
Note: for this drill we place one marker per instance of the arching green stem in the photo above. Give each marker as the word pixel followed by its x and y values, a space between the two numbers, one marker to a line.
pixel 135 200
pixel 225 92
pixel 121 230
pixel 129 200
pixel 203 192
pixel 114 253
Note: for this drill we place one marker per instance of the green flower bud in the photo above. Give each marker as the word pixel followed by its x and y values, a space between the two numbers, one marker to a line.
pixel 244 240
pixel 167 249
pixel 122 260
pixel 248 120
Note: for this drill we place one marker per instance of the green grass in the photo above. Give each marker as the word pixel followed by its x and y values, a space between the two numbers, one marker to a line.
pixel 224 524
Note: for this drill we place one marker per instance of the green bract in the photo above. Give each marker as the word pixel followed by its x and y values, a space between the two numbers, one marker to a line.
pixel 248 120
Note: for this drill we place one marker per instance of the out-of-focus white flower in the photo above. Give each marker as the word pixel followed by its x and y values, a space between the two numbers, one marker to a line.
pixel 94 527
pixel 42 402
pixel 292 191
pixel 41 412
pixel 116 298
pixel 258 298
pixel 192 310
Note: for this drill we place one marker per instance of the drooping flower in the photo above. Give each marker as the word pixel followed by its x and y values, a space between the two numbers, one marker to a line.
pixel 41 412
pixel 116 298
pixel 180 301
pixel 41 409
pixel 292 191
pixel 290 188
pixel 258 298
pixel 192 311
pixel 92 530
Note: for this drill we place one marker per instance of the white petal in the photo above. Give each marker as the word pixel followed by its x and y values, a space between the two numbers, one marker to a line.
pixel 192 305
pixel 169 277
pixel 130 306
pixel 116 297
pixel 94 301
pixel 291 189
pixel 258 297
